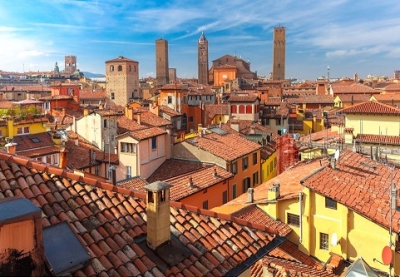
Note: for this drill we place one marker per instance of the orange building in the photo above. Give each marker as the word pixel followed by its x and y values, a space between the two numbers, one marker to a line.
pixel 172 96
pixel 193 183
pixel 227 149
pixel 224 75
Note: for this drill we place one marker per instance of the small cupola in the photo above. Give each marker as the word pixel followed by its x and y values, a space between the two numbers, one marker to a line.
pixel 158 214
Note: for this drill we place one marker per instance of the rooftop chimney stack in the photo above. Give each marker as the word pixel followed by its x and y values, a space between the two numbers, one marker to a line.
pixel 274 192
pixel 158 214
pixel 215 173
pixel 191 182
pixel 250 195
pixel 11 147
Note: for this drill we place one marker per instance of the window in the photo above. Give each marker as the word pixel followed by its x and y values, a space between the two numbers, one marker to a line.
pixel 255 158
pixel 190 118
pixel 120 68
pixel 153 143
pixel 246 184
pixel 293 219
pixel 111 68
pixel 330 203
pixel 242 109
pixel 205 204
pixel 23 130
pixel 128 172
pixel 224 197
pixel 277 122
pixel 249 109
pixel 255 178
pixel 233 191
pixel 128 147
pixel 169 99
pixel 130 68
pixel 245 163
pixel 233 109
pixel 105 123
pixel 266 121
pixel 323 241
pixel 234 168
pixel 112 95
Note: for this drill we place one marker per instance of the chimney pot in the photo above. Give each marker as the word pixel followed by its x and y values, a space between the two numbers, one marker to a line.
pixel 250 195
pixel 11 147
pixel 215 173
pixel 190 182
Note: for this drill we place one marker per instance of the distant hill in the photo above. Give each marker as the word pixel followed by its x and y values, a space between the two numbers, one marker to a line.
pixel 93 75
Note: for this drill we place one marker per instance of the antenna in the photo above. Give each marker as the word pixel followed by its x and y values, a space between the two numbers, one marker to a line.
pixel 335 240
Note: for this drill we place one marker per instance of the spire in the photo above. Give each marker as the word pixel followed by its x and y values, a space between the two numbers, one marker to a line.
pixel 202 37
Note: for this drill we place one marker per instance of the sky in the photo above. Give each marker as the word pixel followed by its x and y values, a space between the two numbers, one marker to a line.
pixel 346 36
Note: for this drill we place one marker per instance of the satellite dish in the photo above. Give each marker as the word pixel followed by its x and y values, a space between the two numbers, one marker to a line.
pixel 334 240
pixel 337 154
pixel 387 255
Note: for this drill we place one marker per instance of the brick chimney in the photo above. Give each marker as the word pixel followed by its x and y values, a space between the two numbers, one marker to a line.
pixel 128 112
pixel 21 237
pixel 158 214
pixel 11 147
pixel 63 158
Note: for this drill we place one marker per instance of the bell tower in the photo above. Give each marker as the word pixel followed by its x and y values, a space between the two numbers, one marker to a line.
pixel 202 56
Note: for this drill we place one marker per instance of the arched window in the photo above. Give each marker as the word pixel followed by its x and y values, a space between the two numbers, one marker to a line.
pixel 242 109
pixel 120 68
pixel 249 109
pixel 233 109
pixel 111 68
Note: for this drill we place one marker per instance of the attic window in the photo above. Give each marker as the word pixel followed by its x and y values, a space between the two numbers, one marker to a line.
pixel 35 140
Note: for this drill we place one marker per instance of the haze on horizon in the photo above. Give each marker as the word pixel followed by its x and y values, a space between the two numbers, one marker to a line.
pixel 350 37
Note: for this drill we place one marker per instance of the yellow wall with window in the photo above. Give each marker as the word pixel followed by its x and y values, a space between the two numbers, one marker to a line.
pixel 17 128
pixel 268 168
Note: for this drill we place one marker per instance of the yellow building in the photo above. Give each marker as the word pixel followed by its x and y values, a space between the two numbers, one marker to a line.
pixel 346 209
pixel 268 163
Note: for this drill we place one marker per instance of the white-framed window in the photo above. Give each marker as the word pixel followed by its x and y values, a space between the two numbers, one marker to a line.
pixel 128 172
pixel 23 130
pixel 323 241
pixel 127 147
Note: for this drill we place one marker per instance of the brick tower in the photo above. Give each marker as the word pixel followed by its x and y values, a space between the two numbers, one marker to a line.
pixel 279 52
pixel 162 72
pixel 202 59
pixel 70 64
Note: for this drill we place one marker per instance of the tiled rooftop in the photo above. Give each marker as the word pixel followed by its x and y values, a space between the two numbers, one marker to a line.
pixel 311 99
pixel 340 88
pixel 228 147
pixel 356 98
pixel 378 139
pixel 359 183
pixel 201 179
pixel 254 214
pixel 136 130
pixel 173 167
pixel 214 109
pixel 111 221
pixel 289 181
pixel 243 98
pixel 371 107
pixel 90 94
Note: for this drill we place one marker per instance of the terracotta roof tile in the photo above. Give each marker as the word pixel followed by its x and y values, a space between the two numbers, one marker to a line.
pixel 378 139
pixel 329 182
pixel 98 214
pixel 229 147
pixel 340 88
pixel 371 107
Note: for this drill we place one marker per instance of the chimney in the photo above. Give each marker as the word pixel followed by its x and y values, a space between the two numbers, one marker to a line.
pixel 63 158
pixel 200 130
pixel 138 118
pixel 158 214
pixel 128 112
pixel 112 174
pixel 63 113
pixel 11 147
pixel 191 185
pixel 250 195
pixel 274 192
pixel 21 232
pixel 333 162
pixel 76 142
pixel 85 111
pixel 215 173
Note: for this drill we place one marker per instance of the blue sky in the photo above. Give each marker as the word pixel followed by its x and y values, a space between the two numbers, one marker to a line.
pixel 348 36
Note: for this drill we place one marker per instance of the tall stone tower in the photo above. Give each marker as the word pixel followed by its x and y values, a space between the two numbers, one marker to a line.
pixel 122 80
pixel 202 59
pixel 278 70
pixel 70 64
pixel 162 72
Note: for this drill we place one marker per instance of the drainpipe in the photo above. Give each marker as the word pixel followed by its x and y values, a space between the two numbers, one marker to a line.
pixel 300 217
